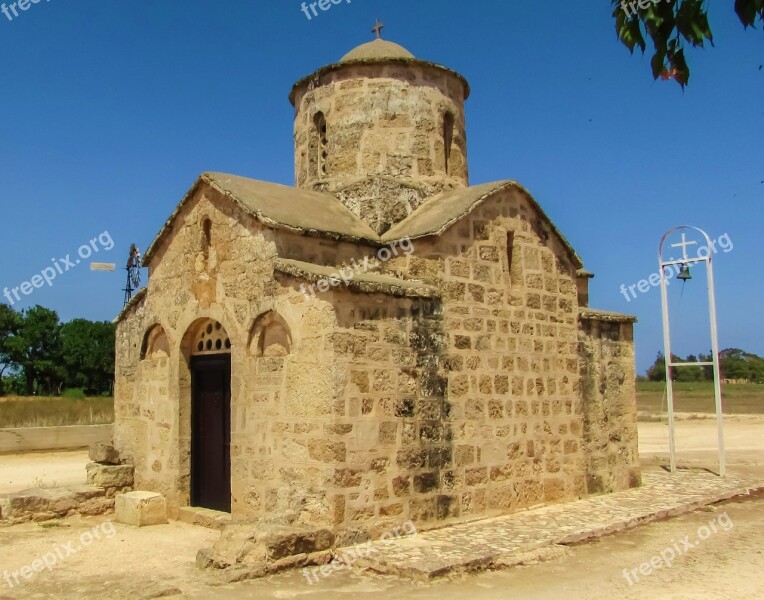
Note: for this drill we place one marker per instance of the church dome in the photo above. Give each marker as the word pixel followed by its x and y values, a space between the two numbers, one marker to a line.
pixel 378 49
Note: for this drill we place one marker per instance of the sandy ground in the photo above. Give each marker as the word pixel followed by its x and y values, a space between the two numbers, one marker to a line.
pixel 136 563
pixel 43 469
pixel 697 443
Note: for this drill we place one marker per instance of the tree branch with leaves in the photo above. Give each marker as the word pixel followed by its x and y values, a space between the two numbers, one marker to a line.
pixel 671 25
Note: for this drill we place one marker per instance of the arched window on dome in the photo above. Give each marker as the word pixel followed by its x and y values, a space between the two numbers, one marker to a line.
pixel 448 138
pixel 322 144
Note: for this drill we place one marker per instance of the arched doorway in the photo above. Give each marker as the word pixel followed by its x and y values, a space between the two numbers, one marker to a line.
pixel 210 366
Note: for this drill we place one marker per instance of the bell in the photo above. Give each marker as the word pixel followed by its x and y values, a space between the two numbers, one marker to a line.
pixel 684 273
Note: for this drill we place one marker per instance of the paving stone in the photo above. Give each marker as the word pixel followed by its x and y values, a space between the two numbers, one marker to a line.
pixel 508 540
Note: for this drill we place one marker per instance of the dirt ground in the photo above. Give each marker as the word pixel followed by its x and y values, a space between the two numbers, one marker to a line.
pixel 159 561
pixel 42 469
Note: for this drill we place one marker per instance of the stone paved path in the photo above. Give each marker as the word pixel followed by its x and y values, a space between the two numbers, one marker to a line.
pixel 508 540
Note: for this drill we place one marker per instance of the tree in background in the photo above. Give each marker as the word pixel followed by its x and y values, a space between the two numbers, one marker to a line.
pixel 690 373
pixel 40 353
pixel 670 24
pixel 88 355
pixel 658 371
pixel 737 364
pixel 36 348
pixel 10 321
pixel 734 364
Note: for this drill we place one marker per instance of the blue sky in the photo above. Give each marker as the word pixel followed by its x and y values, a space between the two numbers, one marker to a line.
pixel 110 110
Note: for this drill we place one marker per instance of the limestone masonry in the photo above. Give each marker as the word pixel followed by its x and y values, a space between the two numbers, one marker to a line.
pixel 466 379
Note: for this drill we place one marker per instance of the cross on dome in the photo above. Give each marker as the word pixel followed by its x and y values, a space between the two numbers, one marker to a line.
pixel 378 27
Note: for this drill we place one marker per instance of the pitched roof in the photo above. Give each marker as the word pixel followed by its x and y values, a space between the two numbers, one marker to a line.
pixel 441 212
pixel 321 214
pixel 280 207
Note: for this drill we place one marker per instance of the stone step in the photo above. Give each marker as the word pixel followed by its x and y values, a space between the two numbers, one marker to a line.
pixel 204 517
pixel 42 504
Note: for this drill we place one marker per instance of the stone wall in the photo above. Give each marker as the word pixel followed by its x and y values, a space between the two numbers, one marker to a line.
pixel 511 360
pixel 609 401
pixel 389 440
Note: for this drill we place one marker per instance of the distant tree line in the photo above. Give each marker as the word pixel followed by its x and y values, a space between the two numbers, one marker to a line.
pixel 735 364
pixel 40 355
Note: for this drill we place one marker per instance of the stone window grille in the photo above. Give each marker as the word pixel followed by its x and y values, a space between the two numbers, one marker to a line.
pixel 211 339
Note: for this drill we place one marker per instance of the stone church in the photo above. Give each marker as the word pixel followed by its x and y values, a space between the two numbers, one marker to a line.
pixel 381 342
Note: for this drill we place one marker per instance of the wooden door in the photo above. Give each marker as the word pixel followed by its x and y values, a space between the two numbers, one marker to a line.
pixel 211 432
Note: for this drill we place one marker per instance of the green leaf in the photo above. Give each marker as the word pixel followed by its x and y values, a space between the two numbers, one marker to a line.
pixel 749 10
pixel 679 68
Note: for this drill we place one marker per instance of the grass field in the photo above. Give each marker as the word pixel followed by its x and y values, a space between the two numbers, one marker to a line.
pixel 699 398
pixel 54 412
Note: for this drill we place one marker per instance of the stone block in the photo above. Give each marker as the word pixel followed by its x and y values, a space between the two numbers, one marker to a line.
pixel 141 509
pixel 204 517
pixel 109 476
pixel 105 454
pixel 48 503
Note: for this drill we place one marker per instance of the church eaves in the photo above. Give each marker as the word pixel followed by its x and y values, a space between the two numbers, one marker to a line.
pixel 441 212
pixel 280 207
pixel 321 214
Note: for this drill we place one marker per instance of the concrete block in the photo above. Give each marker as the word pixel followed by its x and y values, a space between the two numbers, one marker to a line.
pixel 141 509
